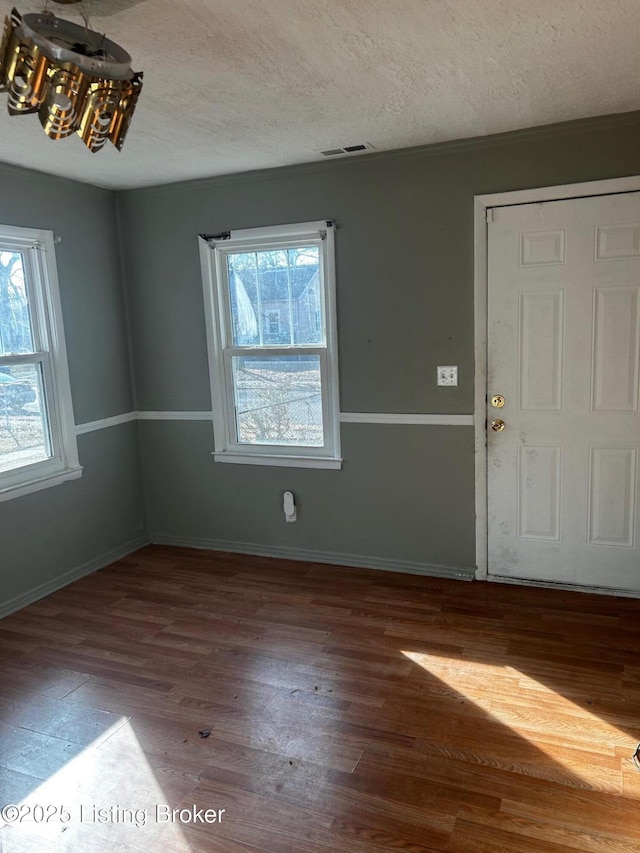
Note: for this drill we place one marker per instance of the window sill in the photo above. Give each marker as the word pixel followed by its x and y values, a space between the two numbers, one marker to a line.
pixel 283 461
pixel 27 488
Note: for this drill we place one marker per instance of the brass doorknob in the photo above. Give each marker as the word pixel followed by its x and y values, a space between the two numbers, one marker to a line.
pixel 498 425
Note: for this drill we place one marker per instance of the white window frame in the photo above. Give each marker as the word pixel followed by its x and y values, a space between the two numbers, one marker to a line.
pixel 38 249
pixel 214 250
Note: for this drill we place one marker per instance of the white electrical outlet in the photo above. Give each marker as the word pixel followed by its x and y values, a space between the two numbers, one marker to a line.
pixel 448 375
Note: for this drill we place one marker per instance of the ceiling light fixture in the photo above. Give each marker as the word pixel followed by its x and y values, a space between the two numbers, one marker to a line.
pixel 77 80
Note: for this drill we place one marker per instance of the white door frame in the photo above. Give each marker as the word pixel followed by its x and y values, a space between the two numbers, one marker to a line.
pixel 482 204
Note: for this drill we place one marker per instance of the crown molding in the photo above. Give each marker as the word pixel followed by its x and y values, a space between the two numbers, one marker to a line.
pixel 434 149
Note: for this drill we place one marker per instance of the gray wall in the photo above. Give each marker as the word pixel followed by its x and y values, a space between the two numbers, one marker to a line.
pixel 404 250
pixel 49 535
pixel 404 497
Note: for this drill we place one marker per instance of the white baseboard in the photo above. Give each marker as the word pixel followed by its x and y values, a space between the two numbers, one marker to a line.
pixel 65 579
pixel 330 557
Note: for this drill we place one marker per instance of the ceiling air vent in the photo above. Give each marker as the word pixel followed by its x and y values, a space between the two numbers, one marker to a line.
pixel 348 149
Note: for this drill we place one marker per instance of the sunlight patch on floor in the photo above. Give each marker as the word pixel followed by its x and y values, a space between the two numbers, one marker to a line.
pixel 565 731
pixel 106 794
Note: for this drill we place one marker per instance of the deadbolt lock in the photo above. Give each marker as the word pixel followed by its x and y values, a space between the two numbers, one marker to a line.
pixel 498 425
pixel 498 401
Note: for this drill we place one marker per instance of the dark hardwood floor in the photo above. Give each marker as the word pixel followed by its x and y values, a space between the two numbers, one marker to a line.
pixel 347 710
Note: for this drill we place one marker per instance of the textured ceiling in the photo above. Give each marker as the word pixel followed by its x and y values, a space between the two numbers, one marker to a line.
pixel 235 85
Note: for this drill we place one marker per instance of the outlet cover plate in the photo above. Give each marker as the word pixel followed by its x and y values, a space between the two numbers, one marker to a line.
pixel 447 374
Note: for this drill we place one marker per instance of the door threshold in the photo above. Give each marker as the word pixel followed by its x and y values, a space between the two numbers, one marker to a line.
pixel 568 587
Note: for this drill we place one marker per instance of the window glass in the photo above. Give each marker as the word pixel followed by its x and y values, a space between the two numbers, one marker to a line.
pixel 15 321
pixel 278 399
pixel 24 433
pixel 266 285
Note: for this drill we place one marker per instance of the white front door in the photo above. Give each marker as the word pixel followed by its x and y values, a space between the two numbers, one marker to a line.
pixel 563 353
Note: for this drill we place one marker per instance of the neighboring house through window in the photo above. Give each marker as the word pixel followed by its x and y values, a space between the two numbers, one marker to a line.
pixel 271 323
pixel 274 323
pixel 37 432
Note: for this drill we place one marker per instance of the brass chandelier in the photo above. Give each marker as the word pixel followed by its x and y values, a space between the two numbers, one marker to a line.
pixel 75 79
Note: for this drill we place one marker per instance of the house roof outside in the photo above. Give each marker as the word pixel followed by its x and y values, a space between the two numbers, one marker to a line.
pixel 274 283
pixel 253 313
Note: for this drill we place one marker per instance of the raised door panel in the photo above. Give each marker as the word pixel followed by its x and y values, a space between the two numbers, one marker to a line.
pixel 615 349
pixel 540 350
